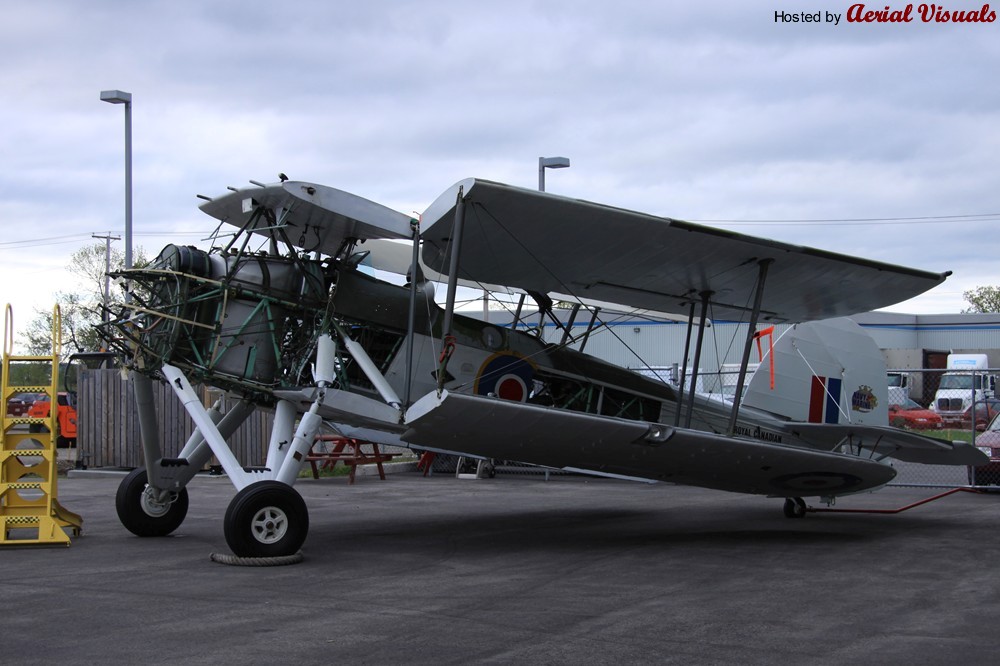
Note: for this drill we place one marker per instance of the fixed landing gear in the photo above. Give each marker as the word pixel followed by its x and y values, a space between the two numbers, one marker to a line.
pixel 266 519
pixel 795 507
pixel 146 512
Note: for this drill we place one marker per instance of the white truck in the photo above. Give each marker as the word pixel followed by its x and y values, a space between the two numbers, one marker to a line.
pixel 899 387
pixel 965 381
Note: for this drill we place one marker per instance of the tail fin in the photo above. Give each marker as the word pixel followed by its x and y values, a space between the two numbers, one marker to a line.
pixel 827 371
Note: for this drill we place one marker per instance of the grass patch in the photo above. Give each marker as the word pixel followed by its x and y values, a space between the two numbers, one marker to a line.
pixel 955 435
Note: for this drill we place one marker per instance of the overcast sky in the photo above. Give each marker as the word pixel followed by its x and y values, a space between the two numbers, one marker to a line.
pixel 878 140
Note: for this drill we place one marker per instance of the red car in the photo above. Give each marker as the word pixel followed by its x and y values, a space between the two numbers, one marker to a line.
pixel 985 411
pixel 988 442
pixel 912 416
pixel 18 405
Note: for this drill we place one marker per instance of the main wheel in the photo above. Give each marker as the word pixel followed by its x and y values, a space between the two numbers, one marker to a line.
pixel 142 513
pixel 795 507
pixel 266 519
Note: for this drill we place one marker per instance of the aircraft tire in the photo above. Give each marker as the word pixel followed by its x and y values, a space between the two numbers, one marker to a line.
pixel 266 519
pixel 795 507
pixel 142 517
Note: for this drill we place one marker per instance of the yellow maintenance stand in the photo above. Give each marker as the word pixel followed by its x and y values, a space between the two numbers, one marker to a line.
pixel 30 514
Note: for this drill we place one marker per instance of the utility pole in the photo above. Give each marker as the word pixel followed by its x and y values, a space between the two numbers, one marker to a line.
pixel 107 269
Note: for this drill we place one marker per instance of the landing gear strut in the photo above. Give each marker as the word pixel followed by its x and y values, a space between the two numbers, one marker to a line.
pixel 795 507
pixel 266 518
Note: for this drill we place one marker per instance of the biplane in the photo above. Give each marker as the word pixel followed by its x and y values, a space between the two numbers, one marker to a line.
pixel 285 313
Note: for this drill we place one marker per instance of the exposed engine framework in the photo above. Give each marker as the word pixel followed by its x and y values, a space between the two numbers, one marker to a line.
pixel 250 322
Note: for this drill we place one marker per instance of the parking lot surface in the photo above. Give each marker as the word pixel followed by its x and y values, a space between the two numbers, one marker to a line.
pixel 416 570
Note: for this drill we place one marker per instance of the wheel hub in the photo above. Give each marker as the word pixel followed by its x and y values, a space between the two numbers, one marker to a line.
pixel 269 525
pixel 152 505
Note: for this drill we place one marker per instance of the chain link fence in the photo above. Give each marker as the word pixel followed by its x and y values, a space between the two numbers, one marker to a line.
pixel 956 405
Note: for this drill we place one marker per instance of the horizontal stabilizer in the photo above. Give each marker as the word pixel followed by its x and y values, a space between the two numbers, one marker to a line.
pixel 893 442
pixel 507 430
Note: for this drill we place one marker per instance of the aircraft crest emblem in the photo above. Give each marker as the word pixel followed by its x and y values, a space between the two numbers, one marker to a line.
pixel 863 400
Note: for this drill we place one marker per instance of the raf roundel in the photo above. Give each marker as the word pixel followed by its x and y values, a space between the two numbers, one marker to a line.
pixel 511 387
pixel 506 376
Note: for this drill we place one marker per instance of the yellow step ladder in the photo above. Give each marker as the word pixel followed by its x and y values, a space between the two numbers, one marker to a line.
pixel 30 514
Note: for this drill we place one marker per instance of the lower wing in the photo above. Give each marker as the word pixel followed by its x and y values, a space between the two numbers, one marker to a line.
pixel 507 430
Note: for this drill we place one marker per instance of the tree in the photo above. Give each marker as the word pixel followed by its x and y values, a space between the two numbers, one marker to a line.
pixel 78 333
pixel 80 309
pixel 983 299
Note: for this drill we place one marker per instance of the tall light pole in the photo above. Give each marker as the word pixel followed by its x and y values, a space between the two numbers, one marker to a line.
pixel 119 97
pixel 549 163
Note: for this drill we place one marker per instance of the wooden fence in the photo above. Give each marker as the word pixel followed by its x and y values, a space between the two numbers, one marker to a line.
pixel 108 424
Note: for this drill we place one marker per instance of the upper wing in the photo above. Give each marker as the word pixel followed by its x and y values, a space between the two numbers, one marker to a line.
pixel 538 241
pixel 315 217
pixel 507 430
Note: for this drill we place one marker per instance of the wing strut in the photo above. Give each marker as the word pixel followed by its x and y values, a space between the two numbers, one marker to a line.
pixel 706 296
pixel 517 314
pixel 569 325
pixel 412 317
pixel 748 346
pixel 449 306
pixel 684 363
pixel 590 327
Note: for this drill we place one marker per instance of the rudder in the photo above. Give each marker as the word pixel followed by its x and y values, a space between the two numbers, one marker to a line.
pixel 828 371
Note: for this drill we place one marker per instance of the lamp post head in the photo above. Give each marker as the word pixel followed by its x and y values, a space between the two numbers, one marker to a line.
pixel 553 162
pixel 116 97
pixel 549 163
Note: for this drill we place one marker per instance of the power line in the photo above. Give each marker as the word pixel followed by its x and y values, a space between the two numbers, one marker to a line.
pixel 928 219
pixel 72 238
pixel 80 235
pixel 52 240
pixel 199 232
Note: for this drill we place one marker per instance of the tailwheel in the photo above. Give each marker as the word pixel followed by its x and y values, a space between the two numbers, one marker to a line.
pixel 795 507
pixel 266 519
pixel 144 511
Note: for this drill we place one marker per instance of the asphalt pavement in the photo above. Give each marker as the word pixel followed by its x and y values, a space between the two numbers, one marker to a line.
pixel 573 570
